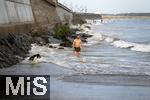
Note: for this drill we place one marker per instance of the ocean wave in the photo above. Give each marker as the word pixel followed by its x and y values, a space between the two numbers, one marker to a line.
pixel 65 58
pixel 122 44
pixel 98 37
pixel 109 39
pixel 132 46
pixel 141 47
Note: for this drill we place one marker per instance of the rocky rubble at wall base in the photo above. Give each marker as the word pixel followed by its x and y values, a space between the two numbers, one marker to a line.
pixel 13 49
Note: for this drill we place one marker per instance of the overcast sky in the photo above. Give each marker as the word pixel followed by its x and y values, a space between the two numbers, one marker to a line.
pixel 111 6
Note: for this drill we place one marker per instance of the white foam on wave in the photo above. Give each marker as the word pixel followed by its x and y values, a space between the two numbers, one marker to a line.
pixel 132 46
pixel 43 50
pixel 65 58
pixel 141 47
pixel 122 44
pixel 96 38
pixel 109 39
pixel 100 22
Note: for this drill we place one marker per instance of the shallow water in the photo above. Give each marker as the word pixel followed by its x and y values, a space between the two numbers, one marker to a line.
pixel 117 47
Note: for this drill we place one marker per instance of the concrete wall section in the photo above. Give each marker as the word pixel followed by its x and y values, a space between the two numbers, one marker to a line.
pixel 15 11
pixel 15 16
pixel 3 13
pixel 44 12
pixel 64 13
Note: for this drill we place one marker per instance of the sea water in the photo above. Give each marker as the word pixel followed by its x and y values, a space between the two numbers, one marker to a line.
pixel 120 46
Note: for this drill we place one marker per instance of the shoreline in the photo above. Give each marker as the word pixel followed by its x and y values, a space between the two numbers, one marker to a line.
pixel 70 76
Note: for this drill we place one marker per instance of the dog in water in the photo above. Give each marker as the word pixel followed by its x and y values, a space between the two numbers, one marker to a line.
pixel 34 58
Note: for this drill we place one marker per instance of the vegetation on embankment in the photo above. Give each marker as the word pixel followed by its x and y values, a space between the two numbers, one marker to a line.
pixel 62 32
pixel 59 34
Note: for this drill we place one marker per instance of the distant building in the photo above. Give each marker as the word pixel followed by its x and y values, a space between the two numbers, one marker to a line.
pixel 64 13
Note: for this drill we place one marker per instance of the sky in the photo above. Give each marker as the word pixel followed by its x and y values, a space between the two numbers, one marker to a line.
pixel 110 6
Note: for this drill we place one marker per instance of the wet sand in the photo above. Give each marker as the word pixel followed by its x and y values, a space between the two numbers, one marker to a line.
pixel 109 79
pixel 76 91
pixel 66 85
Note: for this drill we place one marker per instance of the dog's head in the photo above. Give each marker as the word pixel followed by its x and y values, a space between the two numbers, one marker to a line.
pixel 35 56
pixel 38 56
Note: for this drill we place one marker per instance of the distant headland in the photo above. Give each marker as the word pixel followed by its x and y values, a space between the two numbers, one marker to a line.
pixel 126 15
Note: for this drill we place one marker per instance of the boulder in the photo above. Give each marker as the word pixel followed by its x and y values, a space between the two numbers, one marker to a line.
pixel 39 40
pixel 50 46
pixel 88 27
pixel 61 48
pixel 53 40
pixel 83 40
pixel 66 44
